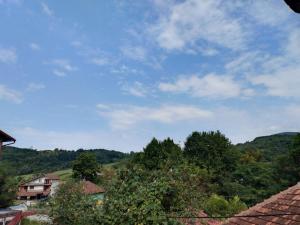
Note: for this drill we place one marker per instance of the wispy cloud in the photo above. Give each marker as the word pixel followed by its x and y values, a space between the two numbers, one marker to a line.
pixel 123 117
pixel 32 87
pixel 210 85
pixel 136 89
pixel 62 67
pixel 34 46
pixel 8 55
pixel 59 73
pixel 134 52
pixel 100 61
pixel 10 95
pixel 46 9
pixel 206 20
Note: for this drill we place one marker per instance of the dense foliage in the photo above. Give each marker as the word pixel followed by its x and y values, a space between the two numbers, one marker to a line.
pixel 70 206
pixel 86 167
pixel 8 186
pixel 165 181
pixel 26 161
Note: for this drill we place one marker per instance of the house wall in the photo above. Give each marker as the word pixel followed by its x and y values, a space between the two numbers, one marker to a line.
pixel 36 188
pixel 54 187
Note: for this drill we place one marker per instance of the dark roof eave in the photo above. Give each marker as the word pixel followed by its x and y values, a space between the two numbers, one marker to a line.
pixel 4 137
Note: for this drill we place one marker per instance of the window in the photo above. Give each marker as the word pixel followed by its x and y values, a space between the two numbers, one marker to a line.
pixel 31 187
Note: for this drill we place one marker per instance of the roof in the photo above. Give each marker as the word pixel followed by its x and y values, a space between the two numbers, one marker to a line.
pixel 49 176
pixel 286 202
pixel 52 176
pixel 4 137
pixel 200 221
pixel 91 188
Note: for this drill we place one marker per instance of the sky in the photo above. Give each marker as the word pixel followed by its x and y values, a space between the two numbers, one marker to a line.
pixel 114 74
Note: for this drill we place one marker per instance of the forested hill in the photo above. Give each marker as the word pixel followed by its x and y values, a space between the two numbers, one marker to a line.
pixel 25 161
pixel 270 146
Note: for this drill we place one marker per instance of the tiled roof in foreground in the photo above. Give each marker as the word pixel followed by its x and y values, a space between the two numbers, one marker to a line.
pixel 271 210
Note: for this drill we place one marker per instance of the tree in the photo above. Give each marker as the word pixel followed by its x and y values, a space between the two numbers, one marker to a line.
pixel 208 149
pixel 86 166
pixel 159 154
pixel 8 187
pixel 70 206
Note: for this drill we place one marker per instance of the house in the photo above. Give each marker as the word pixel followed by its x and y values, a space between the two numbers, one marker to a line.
pixel 39 187
pixel 5 139
pixel 96 192
pixel 282 208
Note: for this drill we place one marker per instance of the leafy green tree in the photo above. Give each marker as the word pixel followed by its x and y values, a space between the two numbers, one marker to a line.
pixel 86 166
pixel 159 154
pixel 8 187
pixel 137 197
pixel 70 206
pixel 208 150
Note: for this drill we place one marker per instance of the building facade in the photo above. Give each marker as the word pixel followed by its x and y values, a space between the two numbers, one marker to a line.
pixel 38 188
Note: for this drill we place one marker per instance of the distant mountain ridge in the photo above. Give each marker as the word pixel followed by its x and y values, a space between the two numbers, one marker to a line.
pixel 26 161
pixel 271 145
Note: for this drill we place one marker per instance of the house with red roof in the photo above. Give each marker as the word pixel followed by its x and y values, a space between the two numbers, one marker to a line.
pixel 39 187
pixel 280 209
pixel 96 192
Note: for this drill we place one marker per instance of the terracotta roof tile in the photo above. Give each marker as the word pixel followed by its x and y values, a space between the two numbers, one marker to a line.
pixel 286 202
pixel 52 176
pixel 91 188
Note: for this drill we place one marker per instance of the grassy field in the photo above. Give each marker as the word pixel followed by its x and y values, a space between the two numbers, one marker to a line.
pixel 66 174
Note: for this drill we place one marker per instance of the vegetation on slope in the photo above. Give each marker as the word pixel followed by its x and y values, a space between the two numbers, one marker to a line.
pixel 28 161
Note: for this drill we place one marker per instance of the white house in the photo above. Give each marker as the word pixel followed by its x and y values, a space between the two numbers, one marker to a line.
pixel 38 188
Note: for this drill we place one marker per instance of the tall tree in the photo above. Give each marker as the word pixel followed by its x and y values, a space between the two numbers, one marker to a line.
pixel 208 149
pixel 159 154
pixel 86 166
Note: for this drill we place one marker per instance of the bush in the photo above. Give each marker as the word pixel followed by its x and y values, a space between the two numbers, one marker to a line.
pixel 218 206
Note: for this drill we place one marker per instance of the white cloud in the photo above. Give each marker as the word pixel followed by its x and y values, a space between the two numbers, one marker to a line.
pixel 46 9
pixel 59 73
pixel 10 95
pixel 281 74
pixel 283 83
pixel 64 64
pixel 123 117
pixel 34 46
pixel 193 20
pixel 267 12
pixel 100 61
pixel 137 89
pixel 246 62
pixel 135 52
pixel 63 67
pixel 211 86
pixel 8 55
pixel 293 45
pixel 35 87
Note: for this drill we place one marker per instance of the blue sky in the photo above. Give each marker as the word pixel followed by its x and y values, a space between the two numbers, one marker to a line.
pixel 113 74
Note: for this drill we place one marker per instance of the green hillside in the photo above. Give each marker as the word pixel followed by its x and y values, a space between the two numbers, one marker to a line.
pixel 270 146
pixel 27 161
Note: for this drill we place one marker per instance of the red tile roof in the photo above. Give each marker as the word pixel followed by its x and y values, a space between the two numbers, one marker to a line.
pixel 52 176
pixel 200 221
pixel 91 188
pixel 286 202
